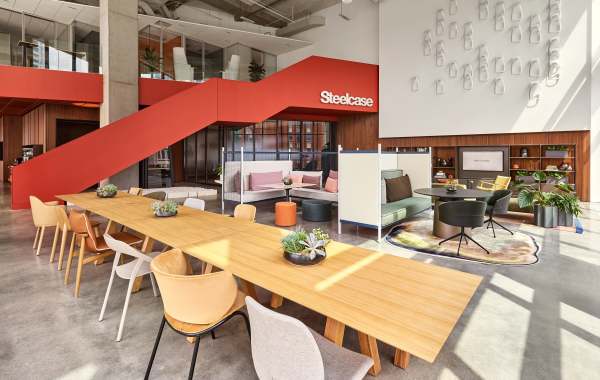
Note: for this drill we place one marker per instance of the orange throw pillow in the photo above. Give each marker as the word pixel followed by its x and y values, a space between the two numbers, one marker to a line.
pixel 331 186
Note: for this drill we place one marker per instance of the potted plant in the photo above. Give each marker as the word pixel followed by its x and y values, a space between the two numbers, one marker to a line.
pixel 287 181
pixel 256 71
pixel 556 151
pixel 567 203
pixel 523 176
pixel 164 209
pixel 106 191
pixel 556 177
pixel 305 248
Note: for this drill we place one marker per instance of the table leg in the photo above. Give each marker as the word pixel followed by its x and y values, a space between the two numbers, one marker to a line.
pixel 368 347
pixel 249 289
pixel 110 227
pixel 334 331
pixel 146 248
pixel 276 301
pixel 401 359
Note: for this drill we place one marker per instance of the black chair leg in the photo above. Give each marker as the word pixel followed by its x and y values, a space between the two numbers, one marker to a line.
pixel 459 243
pixel 158 336
pixel 501 226
pixel 493 229
pixel 194 356
pixel 479 245
pixel 450 238
pixel 246 322
pixel 212 334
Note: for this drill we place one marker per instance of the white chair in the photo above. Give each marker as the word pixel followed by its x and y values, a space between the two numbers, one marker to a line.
pixel 128 271
pixel 276 338
pixel 183 70
pixel 195 203
pixel 232 71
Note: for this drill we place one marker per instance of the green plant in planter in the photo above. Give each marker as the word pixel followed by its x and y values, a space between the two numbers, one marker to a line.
pixel 560 148
pixel 219 170
pixel 555 177
pixel 543 203
pixel 164 208
pixel 309 244
pixel 256 71
pixel 106 191
pixel 568 203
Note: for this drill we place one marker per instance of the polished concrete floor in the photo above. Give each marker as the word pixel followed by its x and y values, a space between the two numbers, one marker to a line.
pixel 529 322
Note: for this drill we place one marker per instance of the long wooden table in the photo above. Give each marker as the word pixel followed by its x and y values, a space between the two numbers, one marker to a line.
pixel 407 304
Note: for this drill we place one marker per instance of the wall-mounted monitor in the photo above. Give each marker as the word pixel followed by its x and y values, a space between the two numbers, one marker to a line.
pixel 483 162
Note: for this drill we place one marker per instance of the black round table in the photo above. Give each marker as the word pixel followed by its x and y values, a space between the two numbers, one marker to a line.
pixel 441 195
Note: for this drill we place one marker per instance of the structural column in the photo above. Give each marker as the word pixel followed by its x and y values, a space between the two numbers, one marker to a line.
pixel 119 51
pixel 593 59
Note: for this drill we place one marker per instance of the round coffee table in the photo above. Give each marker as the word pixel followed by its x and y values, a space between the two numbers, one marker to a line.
pixel 316 210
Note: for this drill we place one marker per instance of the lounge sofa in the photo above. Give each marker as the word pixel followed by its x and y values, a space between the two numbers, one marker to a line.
pixel 394 212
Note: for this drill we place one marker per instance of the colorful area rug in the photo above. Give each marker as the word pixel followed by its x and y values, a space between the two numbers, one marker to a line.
pixel 505 249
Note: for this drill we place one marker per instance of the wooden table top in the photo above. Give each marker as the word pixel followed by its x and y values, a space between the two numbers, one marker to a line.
pixel 407 304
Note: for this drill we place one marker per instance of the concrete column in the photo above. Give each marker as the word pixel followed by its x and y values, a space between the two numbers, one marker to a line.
pixel 119 51
pixel 594 57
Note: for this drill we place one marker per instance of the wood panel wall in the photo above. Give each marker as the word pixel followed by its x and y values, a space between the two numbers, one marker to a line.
pixel 12 135
pixel 362 132
pixel 34 127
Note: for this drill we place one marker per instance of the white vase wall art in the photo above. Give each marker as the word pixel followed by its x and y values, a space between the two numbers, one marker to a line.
pixel 516 67
pixel 452 70
pixel 535 29
pixel 500 17
pixel 415 84
pixel 534 94
pixel 484 74
pixel 427 43
pixel 440 87
pixel 468 77
pixel 468 36
pixel 535 69
pixel 553 74
pixel 553 62
pixel 498 86
pixel 440 22
pixel 500 65
pixel 440 54
pixel 516 34
pixel 554 17
pixel 453 30
pixel 453 7
pixel 484 9
pixel 517 12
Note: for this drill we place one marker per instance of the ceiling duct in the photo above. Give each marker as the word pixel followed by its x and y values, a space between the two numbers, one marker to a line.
pixel 302 25
pixel 145 8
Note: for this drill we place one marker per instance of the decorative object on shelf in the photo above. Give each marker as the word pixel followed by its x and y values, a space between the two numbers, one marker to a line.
pixel 516 34
pixel 500 65
pixel 450 176
pixel 544 210
pixel 427 43
pixel 453 70
pixel 535 29
pixel 517 12
pixel 164 209
pixel 453 7
pixel 453 30
pixel 440 175
pixel 500 17
pixel 553 62
pixel 440 54
pixel 451 187
pixel 484 9
pixel 516 166
pixel 440 22
pixel 451 162
pixel 499 86
pixel 556 151
pixel 516 67
pixel 468 77
pixel 524 152
pixel 468 36
pixel 415 85
pixel 535 69
pixel 287 181
pixel 534 94
pixel 107 191
pixel 554 17
pixel 305 248
pixel 440 87
pixel 484 74
pixel 565 167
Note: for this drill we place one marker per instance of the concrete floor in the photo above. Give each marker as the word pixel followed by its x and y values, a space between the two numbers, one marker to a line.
pixel 532 322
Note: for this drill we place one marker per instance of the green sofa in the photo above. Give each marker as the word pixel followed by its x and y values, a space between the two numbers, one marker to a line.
pixel 393 212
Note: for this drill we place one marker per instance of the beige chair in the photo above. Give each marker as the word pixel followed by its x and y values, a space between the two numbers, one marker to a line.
pixel 135 191
pixel 44 215
pixel 501 183
pixel 194 305
pixel 90 243
pixel 247 212
pixel 284 348
pixel 64 226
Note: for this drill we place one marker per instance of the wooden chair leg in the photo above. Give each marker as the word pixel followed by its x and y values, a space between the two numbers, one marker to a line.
pixel 208 268
pixel 70 259
pixel 79 266
pixel 41 239
pixel 54 241
pixel 63 242
pixel 37 235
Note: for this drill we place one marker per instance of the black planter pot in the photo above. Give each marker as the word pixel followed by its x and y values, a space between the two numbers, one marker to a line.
pixel 546 217
pixel 165 214
pixel 565 219
pixel 106 195
pixel 303 260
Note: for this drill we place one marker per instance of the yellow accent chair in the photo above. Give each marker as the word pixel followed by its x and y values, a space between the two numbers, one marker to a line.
pixel 501 183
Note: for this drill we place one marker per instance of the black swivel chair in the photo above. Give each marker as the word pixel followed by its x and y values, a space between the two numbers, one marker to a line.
pixel 463 214
pixel 497 204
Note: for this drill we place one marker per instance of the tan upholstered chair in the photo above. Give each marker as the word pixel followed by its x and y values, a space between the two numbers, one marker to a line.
pixel 64 226
pixel 89 242
pixel 247 212
pixel 194 305
pixel 44 215
pixel 501 183
pixel 135 191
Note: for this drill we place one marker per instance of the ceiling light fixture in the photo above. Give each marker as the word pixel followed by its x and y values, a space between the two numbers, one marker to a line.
pixel 346 1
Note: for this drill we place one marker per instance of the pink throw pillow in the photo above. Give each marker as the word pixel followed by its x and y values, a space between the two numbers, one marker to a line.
pixel 312 179
pixel 333 174
pixel 296 178
pixel 258 180
pixel 331 186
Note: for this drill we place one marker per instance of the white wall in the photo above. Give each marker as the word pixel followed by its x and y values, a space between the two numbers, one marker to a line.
pixel 405 113
pixel 354 40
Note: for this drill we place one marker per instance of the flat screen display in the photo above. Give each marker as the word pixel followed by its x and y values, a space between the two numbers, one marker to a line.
pixel 483 161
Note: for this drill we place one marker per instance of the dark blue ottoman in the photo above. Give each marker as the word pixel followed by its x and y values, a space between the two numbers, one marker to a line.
pixel 316 210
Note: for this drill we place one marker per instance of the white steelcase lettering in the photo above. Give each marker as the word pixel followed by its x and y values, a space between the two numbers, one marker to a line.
pixel 328 97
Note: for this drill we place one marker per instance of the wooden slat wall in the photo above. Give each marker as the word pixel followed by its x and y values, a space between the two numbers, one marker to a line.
pixel 362 132
pixel 34 127
pixel 12 135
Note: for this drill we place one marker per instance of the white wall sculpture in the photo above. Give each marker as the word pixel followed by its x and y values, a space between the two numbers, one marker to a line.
pixel 500 16
pixel 427 43
pixel 453 70
pixel 534 94
pixel 440 54
pixel 500 65
pixel 516 67
pixel 535 29
pixel 440 22
pixel 415 84
pixel 499 86
pixel 440 87
pixel 468 77
pixel 554 17
pixel 484 9
pixel 535 69
pixel 517 12
pixel 484 72
pixel 468 36
pixel 516 34
pixel 553 62
pixel 453 7
pixel 453 30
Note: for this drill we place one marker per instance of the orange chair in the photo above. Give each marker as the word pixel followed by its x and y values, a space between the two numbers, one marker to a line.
pixel 285 214
pixel 246 212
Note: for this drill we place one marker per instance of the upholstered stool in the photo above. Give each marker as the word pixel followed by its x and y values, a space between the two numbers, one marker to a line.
pixel 316 210
pixel 285 214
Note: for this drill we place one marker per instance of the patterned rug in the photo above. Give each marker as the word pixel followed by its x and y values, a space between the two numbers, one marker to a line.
pixel 505 249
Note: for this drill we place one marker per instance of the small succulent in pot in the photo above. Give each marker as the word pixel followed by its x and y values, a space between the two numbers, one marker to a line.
pixel 305 248
pixel 164 209
pixel 106 191
pixel 287 181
